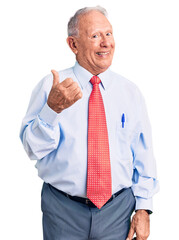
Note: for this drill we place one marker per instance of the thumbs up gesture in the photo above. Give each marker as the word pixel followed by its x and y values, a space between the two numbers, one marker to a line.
pixel 63 95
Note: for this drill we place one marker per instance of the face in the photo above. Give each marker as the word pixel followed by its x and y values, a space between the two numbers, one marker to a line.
pixel 94 46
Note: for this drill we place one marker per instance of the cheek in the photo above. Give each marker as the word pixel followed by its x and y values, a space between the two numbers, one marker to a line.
pixel 112 43
pixel 90 51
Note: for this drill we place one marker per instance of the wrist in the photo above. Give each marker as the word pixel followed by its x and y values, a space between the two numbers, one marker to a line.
pixel 146 210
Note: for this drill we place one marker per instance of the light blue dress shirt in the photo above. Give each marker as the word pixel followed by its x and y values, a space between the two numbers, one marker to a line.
pixel 59 141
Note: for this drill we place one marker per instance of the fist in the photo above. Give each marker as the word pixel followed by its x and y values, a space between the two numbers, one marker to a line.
pixel 63 95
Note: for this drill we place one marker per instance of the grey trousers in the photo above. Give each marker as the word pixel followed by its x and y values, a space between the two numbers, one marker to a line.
pixel 65 219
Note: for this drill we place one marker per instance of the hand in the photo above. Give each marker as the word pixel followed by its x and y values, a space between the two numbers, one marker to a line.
pixel 63 95
pixel 140 225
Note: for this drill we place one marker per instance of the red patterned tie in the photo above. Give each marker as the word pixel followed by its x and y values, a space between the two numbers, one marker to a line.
pixel 99 168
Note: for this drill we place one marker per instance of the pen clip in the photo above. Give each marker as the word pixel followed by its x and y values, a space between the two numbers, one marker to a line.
pixel 123 120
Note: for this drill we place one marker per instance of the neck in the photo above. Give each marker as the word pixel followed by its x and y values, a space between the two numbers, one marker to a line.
pixel 94 72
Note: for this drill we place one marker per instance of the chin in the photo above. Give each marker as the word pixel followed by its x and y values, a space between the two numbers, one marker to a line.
pixel 105 66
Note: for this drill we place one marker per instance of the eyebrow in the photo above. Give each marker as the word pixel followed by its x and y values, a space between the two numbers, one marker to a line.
pixel 99 31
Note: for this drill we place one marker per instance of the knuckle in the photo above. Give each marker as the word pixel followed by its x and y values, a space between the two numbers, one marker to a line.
pixel 145 235
pixel 69 80
pixel 68 99
pixel 75 84
pixel 148 233
pixel 59 88
pixel 80 94
pixel 64 91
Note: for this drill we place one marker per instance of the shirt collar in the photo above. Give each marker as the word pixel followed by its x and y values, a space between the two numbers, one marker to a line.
pixel 84 76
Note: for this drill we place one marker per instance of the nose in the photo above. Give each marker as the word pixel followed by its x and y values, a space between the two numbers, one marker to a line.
pixel 105 41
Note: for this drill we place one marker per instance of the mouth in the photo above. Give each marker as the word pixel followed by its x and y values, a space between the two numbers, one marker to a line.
pixel 102 53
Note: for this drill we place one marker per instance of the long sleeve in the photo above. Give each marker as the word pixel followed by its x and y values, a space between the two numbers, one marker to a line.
pixel 40 131
pixel 145 183
pixel 59 141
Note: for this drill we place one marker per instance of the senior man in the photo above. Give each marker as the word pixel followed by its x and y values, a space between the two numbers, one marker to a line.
pixel 88 129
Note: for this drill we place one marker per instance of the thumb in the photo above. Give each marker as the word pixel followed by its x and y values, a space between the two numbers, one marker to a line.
pixel 56 78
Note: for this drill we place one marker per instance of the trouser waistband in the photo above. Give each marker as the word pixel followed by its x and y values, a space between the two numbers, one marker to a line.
pixel 87 201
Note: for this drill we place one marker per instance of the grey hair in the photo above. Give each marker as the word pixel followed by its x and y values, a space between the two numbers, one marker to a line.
pixel 73 22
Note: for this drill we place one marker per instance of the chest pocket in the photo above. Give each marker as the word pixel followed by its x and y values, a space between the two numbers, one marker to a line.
pixel 123 141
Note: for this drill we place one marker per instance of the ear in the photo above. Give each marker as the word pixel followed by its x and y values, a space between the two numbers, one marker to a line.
pixel 72 43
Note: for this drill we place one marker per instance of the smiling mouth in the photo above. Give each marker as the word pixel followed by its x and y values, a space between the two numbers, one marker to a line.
pixel 102 53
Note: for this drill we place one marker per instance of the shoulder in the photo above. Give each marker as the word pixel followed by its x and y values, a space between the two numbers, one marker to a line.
pixel 125 85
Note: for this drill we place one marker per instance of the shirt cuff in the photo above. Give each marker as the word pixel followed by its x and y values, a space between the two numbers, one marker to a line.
pixel 143 203
pixel 49 116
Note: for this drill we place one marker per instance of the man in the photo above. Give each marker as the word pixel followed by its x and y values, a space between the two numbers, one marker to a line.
pixel 95 156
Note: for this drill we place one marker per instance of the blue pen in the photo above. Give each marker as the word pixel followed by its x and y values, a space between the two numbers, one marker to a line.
pixel 123 120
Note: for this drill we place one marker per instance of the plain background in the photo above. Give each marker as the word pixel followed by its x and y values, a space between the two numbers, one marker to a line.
pixel 33 41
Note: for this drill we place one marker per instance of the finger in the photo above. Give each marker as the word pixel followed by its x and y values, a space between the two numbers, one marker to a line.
pixel 78 96
pixel 56 78
pixel 67 82
pixel 74 87
pixel 131 233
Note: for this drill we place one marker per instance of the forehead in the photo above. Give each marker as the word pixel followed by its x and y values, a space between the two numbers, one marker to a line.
pixel 92 21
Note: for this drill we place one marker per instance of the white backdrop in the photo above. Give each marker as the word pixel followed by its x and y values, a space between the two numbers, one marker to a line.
pixel 33 41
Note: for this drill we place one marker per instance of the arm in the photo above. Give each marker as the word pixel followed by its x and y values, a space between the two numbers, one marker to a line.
pixel 145 183
pixel 40 131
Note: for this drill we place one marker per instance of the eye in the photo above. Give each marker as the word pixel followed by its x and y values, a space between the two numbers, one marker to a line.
pixel 95 36
pixel 108 34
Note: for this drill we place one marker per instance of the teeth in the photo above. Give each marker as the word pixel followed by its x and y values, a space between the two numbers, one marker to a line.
pixel 102 53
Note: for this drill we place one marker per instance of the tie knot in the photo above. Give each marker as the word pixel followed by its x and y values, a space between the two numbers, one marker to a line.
pixel 95 79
